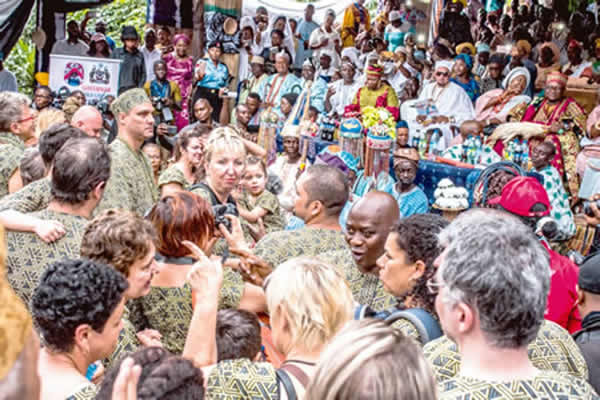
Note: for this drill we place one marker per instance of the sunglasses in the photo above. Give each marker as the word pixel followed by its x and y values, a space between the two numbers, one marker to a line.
pixel 442 74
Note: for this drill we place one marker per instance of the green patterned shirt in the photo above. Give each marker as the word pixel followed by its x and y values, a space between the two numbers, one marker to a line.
pixel 278 247
pixel 127 342
pixel 273 220
pixel 28 255
pixel 87 392
pixel 169 309
pixel 487 157
pixel 552 350
pixel 131 184
pixel 242 379
pixel 408 329
pixel 172 175
pixel 546 385
pixel 11 152
pixel 31 198
pixel 366 289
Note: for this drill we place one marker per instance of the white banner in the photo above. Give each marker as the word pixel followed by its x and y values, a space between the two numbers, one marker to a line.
pixel 96 77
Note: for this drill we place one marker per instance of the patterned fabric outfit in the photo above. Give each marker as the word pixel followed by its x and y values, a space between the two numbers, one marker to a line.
pixel 278 247
pixel 242 379
pixel 272 88
pixel 561 211
pixel 182 72
pixel 11 152
pixel 384 97
pixel 408 329
pixel 546 385
pixel 366 289
pixel 567 143
pixel 31 198
pixel 86 392
pixel 412 202
pixel 169 309
pixel 552 350
pixel 126 344
pixel 173 174
pixel 28 256
pixel 131 185
pixel 471 87
pixel 273 220
pixel 457 152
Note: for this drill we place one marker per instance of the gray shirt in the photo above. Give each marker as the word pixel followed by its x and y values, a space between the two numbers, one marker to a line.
pixel 8 82
pixel 65 48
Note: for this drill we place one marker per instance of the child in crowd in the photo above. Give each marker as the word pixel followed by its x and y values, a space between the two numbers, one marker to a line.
pixel 255 202
pixel 238 335
pixel 165 94
pixel 32 166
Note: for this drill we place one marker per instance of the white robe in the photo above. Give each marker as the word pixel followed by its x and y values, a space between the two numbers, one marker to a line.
pixel 344 94
pixel 452 102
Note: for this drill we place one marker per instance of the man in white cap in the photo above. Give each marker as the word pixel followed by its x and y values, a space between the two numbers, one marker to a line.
pixel 282 82
pixel 442 104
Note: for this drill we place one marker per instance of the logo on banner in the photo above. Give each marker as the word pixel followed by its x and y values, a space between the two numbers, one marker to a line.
pixel 100 74
pixel 74 74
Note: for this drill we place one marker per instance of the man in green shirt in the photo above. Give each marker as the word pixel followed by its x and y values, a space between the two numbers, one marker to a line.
pixel 16 126
pixel 81 170
pixel 321 193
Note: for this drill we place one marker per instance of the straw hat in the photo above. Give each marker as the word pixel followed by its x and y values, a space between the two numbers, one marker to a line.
pixel 230 26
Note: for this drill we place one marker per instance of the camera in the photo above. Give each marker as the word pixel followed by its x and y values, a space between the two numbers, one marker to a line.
pixel 60 96
pixel 587 210
pixel 171 130
pixel 164 113
pixel 221 210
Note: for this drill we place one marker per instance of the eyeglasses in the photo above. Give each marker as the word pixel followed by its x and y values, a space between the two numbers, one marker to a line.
pixel 442 74
pixel 26 119
pixel 433 287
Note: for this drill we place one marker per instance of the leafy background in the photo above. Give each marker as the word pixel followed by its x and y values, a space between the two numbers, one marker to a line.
pixel 21 60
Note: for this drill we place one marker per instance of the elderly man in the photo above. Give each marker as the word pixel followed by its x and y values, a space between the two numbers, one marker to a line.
pixel 131 185
pixel 280 83
pixel 442 104
pixel 369 222
pixel 89 120
pixel 318 86
pixel 16 126
pixel 565 120
pixel 375 93
pixel 411 198
pixel 322 192
pixel 492 282
pixel 80 171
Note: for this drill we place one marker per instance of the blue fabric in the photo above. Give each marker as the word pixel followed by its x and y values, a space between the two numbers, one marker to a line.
pixel 431 173
pixel 472 87
pixel 304 30
pixel 362 186
pixel 413 202
pixel 215 77
pixel 395 39
pixel 467 59
pixel 402 124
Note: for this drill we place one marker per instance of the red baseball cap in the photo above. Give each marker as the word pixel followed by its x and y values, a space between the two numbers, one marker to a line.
pixel 520 194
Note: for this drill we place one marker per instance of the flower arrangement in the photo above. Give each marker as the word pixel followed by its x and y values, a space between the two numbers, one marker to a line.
pixel 379 121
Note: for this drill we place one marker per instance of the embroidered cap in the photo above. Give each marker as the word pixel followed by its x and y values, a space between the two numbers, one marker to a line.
pixel 129 100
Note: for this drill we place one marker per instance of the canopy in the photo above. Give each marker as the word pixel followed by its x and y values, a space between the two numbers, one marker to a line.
pixel 294 9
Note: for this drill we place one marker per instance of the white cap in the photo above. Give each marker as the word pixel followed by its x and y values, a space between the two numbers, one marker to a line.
pixel 395 15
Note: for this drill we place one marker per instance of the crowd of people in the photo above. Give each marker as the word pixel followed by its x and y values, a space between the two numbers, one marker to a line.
pixel 285 242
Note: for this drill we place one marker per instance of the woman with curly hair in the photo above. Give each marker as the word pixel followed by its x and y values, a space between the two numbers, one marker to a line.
pixel 407 266
pixel 77 309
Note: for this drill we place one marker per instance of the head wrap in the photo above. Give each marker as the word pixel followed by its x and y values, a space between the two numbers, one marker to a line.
pixel 402 124
pixel 15 321
pixel 466 45
pixel 574 44
pixel 554 48
pixel 467 59
pixel 518 71
pixel 395 15
pixel 463 2
pixel 247 22
pixel 351 53
pixel 597 43
pixel 291 131
pixel 128 100
pixel 308 63
pixel 444 64
pixel 375 69
pixel 524 46
pixel 483 47
pixel 182 36
pixel 557 77
pixel 407 153
pixel 257 60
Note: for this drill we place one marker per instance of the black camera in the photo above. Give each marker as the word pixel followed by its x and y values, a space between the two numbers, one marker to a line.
pixel 587 210
pixel 164 113
pixel 221 210
pixel 59 97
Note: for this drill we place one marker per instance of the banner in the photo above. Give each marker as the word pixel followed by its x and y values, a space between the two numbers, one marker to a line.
pixel 96 77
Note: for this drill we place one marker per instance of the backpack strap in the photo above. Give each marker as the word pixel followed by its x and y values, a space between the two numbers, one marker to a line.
pixel 287 384
pixel 427 326
pixel 202 185
pixel 296 373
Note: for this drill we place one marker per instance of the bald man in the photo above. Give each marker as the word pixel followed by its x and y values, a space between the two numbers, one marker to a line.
pixel 89 120
pixel 369 223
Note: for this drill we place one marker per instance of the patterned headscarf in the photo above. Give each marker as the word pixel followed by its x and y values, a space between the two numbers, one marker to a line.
pixel 467 59
pixel 128 100
pixel 15 321
pixel 182 36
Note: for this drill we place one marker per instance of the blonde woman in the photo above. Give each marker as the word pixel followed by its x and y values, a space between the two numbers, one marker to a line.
pixel 45 119
pixel 369 359
pixel 309 302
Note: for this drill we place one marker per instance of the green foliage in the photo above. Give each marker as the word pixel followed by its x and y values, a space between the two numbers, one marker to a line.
pixel 21 60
